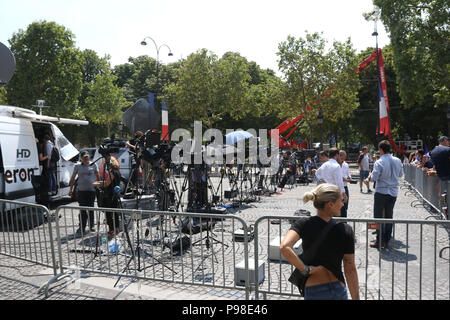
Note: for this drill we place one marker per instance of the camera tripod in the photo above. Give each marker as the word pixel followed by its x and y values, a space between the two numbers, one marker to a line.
pixel 138 250
pixel 209 241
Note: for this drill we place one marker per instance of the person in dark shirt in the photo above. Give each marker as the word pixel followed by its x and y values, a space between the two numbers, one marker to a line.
pixel 110 175
pixel 133 144
pixel 427 163
pixel 42 197
pixel 325 281
pixel 440 156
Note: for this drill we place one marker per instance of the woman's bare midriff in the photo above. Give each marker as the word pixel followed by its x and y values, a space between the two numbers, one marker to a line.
pixel 321 275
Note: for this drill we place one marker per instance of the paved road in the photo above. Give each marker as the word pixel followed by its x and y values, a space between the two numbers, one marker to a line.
pixel 22 280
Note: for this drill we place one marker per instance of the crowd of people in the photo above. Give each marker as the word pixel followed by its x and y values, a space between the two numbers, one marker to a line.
pixel 433 163
pixel 331 197
pixel 322 271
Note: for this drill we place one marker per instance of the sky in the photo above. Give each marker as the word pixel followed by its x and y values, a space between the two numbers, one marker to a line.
pixel 253 28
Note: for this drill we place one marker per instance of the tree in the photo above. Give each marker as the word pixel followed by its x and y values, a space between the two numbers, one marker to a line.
pixel 3 96
pixel 192 94
pixel 420 36
pixel 318 81
pixel 231 86
pixel 105 101
pixel 260 105
pixel 91 66
pixel 47 67
pixel 228 92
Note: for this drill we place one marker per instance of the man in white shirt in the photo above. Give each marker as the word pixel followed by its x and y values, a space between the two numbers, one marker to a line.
pixel 331 172
pixel 346 178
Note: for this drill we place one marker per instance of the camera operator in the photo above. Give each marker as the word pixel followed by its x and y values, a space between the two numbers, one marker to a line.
pixel 291 168
pixel 161 185
pixel 109 171
pixel 133 144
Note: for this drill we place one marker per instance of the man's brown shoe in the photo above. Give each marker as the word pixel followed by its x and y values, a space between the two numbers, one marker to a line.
pixel 376 244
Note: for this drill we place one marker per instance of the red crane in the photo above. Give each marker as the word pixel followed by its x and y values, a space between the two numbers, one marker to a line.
pixel 287 124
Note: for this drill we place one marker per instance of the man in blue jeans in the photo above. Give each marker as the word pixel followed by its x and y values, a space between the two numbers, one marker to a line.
pixel 50 166
pixel 386 172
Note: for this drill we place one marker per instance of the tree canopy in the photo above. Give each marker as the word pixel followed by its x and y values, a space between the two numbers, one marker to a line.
pixel 420 42
pixel 318 81
pixel 48 67
pixel 230 91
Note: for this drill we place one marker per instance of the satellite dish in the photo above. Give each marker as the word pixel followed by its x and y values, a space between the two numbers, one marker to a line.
pixel 141 116
pixel 7 64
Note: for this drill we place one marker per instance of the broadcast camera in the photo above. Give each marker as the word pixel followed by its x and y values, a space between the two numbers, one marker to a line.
pixel 108 146
pixel 154 151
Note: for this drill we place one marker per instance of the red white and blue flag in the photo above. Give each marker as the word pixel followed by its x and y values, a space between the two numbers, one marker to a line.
pixel 383 101
pixel 165 122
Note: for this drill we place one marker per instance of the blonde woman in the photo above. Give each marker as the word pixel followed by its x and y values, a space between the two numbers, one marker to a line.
pixel 326 280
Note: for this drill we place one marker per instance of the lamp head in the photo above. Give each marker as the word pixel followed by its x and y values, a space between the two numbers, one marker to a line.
pixel 170 54
pixel 143 43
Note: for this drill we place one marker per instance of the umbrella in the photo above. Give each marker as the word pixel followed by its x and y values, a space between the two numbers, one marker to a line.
pixel 220 151
pixel 235 136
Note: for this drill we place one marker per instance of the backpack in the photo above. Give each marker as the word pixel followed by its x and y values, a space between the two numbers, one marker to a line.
pixel 361 156
pixel 55 155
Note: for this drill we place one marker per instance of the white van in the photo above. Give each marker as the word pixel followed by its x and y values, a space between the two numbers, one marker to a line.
pixel 19 159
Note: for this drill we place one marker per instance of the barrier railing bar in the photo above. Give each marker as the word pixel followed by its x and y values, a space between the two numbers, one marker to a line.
pixel 435 261
pixel 393 265
pixel 421 261
pixel 367 260
pixel 406 266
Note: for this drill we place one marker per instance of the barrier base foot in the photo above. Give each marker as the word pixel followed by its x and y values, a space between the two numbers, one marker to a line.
pixel 44 288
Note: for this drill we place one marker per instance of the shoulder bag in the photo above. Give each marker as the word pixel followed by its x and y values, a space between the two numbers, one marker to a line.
pixel 297 278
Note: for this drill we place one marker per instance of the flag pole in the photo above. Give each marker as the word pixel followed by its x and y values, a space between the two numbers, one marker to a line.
pixel 376 14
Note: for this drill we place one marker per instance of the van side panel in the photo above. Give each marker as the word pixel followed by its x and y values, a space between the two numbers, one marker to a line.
pixel 20 158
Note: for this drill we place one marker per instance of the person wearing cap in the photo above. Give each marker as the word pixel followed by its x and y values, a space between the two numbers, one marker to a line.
pixel 440 156
pixel 87 173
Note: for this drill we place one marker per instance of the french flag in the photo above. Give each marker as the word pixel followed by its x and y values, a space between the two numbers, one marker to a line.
pixel 165 122
pixel 383 102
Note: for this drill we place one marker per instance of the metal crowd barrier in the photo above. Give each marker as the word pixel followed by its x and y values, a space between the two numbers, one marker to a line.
pixel 415 266
pixel 186 248
pixel 216 250
pixel 430 190
pixel 26 233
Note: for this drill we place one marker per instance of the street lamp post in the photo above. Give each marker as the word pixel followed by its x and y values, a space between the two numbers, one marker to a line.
pixel 158 48
pixel 320 121
pixel 375 16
